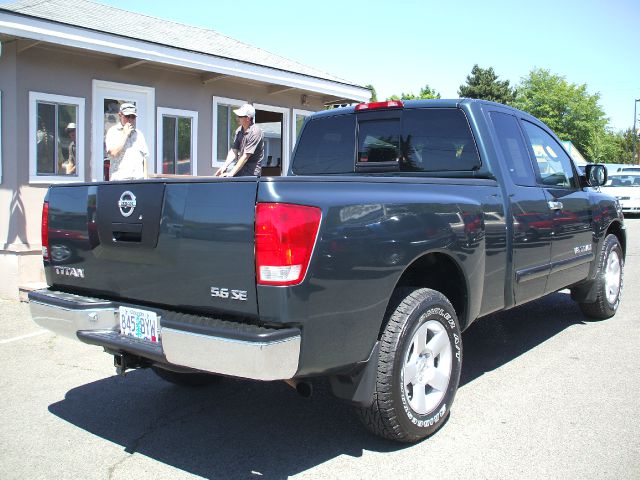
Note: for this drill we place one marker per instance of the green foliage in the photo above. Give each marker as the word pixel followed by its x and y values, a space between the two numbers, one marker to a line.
pixel 569 110
pixel 483 83
pixel 374 94
pixel 426 93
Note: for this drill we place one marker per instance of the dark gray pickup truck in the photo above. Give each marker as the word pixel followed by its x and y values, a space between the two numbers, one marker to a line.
pixel 397 226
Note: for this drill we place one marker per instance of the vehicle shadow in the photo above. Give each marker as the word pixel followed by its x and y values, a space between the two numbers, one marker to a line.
pixel 501 337
pixel 244 429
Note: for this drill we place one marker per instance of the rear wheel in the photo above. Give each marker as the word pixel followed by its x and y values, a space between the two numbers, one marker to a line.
pixel 418 368
pixel 190 379
pixel 609 281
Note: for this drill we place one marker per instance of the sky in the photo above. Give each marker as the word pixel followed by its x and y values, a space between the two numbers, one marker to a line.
pixel 402 46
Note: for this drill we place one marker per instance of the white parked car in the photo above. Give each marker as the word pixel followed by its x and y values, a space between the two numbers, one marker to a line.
pixel 626 188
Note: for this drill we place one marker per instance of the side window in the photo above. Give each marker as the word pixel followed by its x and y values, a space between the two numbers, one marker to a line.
pixel 326 145
pixel 553 164
pixel 513 149
pixel 437 140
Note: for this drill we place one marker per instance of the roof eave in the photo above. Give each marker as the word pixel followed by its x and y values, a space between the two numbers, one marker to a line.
pixel 47 31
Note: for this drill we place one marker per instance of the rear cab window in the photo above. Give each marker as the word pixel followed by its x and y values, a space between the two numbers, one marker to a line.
pixel 410 141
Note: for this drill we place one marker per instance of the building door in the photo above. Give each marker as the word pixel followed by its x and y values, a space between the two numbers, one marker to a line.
pixel 107 98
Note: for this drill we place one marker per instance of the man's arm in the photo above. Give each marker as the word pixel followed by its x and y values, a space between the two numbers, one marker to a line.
pixel 231 156
pixel 239 164
pixel 116 140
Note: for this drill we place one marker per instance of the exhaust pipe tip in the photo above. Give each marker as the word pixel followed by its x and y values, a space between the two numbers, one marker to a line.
pixel 304 389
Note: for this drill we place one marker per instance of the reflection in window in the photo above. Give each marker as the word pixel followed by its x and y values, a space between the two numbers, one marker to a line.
pixel 553 164
pixel 176 145
pixel 55 138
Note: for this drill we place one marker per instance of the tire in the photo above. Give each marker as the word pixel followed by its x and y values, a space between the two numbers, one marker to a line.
pixel 609 281
pixel 418 368
pixel 195 379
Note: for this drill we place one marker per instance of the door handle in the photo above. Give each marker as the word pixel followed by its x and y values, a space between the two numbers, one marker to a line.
pixel 555 205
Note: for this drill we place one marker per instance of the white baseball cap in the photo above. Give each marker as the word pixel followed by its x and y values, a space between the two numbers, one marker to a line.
pixel 71 126
pixel 128 109
pixel 246 110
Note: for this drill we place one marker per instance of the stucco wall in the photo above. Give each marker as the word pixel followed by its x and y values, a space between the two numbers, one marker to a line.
pixel 50 69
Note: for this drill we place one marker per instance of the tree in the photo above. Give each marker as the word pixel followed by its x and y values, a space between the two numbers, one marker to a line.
pixel 483 83
pixel 568 109
pixel 374 95
pixel 426 93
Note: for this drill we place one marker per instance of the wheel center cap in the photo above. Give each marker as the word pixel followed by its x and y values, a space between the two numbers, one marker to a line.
pixel 425 364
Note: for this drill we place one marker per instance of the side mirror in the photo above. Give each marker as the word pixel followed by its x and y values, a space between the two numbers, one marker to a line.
pixel 596 174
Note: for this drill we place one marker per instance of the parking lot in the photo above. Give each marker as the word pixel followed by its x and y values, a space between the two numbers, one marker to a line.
pixel 545 393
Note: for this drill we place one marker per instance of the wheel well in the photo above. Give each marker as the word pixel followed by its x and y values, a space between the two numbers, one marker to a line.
pixel 616 229
pixel 436 271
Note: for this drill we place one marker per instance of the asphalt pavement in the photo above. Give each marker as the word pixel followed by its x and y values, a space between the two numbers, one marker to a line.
pixel 545 393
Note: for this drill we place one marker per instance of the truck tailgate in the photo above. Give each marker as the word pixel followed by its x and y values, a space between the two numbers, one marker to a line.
pixel 184 245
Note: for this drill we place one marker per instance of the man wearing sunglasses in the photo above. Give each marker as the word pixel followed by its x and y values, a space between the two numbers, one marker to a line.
pixel 127 147
pixel 246 153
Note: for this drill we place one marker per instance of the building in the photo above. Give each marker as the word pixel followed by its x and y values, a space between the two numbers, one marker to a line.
pixel 66 63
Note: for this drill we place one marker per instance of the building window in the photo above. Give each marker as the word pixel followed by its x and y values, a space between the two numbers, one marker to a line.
pixel 225 124
pixel 177 141
pixel 299 116
pixel 55 138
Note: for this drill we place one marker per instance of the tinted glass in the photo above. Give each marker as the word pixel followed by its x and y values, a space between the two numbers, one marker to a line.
pixel 183 166
pixel 379 141
pixel 513 148
pixel 438 140
pixel 328 146
pixel 553 164
pixel 55 143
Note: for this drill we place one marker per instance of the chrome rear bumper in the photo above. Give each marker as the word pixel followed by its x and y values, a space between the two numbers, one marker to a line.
pixel 215 346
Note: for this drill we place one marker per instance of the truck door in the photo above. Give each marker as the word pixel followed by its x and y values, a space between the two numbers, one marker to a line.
pixel 531 219
pixel 572 245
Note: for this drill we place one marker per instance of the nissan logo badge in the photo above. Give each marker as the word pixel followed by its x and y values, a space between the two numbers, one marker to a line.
pixel 127 203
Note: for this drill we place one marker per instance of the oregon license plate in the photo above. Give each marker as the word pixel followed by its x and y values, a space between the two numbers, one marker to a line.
pixel 141 324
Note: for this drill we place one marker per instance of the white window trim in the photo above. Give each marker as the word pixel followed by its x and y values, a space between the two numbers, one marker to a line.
pixel 294 114
pixel 214 129
pixel 175 112
pixel 124 89
pixel 34 178
pixel 286 133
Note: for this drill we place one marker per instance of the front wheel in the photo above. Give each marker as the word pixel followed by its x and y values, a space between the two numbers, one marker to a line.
pixel 418 368
pixel 609 281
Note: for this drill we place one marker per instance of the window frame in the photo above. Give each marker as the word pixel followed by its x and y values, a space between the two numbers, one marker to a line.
pixel 177 112
pixel 79 102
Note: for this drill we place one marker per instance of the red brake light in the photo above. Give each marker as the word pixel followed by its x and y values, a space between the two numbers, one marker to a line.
pixel 285 236
pixel 379 105
pixel 45 231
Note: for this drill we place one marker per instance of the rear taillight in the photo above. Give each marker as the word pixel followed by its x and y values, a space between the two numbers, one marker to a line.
pixel 285 236
pixel 379 105
pixel 45 231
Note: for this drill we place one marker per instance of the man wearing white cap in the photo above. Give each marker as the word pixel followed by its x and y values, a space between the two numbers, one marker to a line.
pixel 247 149
pixel 127 147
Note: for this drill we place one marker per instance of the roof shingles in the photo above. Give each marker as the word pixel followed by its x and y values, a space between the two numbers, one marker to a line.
pixel 104 18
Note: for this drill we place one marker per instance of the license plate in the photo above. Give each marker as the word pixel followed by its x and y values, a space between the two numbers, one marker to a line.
pixel 140 324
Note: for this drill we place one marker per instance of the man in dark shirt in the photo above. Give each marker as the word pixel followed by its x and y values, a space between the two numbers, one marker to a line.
pixel 247 149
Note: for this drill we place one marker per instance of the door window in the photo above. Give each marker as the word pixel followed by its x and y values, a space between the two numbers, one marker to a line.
pixel 554 166
pixel 513 149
